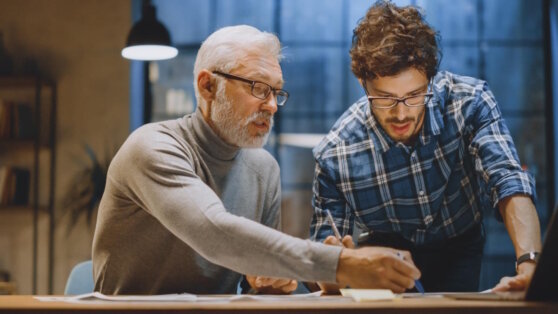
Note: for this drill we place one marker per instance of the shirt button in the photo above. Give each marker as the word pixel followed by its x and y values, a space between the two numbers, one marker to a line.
pixel 421 192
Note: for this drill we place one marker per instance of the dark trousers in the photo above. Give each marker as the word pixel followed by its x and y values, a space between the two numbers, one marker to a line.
pixel 453 266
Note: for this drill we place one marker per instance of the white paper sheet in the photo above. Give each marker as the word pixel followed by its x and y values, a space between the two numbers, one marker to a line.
pixel 97 297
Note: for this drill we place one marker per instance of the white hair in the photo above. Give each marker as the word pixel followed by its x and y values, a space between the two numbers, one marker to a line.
pixel 223 49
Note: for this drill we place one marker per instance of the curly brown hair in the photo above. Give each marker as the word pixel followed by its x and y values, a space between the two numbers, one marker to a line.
pixel 390 39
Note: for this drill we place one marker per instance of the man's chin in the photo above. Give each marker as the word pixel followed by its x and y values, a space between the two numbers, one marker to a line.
pixel 399 138
pixel 257 141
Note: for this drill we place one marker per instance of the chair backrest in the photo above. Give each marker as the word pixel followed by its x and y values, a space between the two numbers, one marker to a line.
pixel 80 280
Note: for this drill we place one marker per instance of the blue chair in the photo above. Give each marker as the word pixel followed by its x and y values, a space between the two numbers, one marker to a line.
pixel 80 280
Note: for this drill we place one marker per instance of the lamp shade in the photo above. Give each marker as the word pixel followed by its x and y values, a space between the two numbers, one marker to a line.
pixel 149 39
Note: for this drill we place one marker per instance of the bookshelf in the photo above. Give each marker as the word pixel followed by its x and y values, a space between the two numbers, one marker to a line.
pixel 29 146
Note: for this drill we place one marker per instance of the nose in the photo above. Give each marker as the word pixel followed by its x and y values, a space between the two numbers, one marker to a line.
pixel 400 110
pixel 270 104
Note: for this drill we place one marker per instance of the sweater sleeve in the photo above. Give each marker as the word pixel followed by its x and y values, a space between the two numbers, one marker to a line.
pixel 157 174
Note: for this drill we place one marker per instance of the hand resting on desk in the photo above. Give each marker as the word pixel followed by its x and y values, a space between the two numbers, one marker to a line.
pixel 518 282
pixel 268 285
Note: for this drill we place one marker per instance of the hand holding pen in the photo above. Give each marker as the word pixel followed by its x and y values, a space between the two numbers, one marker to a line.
pixel 418 285
pixel 348 243
pixel 335 239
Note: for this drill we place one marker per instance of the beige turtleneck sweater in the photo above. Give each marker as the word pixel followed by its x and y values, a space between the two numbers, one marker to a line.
pixel 183 211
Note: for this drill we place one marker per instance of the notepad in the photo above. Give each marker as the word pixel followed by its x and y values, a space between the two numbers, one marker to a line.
pixel 363 295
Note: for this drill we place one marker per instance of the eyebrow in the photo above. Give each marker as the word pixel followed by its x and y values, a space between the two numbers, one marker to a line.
pixel 379 91
pixel 264 78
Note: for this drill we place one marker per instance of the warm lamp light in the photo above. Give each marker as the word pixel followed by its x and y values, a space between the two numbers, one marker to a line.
pixel 149 39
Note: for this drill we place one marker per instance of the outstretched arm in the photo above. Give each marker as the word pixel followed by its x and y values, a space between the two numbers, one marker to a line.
pixel 522 222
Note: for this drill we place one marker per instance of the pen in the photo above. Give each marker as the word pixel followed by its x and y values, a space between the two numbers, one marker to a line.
pixel 332 223
pixel 418 285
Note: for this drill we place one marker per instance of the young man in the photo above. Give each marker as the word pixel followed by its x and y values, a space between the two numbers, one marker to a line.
pixel 184 199
pixel 415 162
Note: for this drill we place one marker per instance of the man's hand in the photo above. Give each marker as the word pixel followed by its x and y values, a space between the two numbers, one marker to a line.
pixel 333 288
pixel 268 285
pixel 518 282
pixel 377 267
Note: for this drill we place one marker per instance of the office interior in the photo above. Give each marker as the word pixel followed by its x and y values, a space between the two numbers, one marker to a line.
pixel 95 98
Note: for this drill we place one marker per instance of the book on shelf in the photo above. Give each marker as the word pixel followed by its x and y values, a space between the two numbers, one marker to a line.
pixel 5 120
pixel 23 126
pixel 4 176
pixel 14 186
pixel 16 120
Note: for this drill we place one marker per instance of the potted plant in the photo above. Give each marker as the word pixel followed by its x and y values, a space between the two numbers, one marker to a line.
pixel 86 188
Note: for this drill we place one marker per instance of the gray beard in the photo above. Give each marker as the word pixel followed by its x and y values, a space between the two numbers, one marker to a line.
pixel 233 129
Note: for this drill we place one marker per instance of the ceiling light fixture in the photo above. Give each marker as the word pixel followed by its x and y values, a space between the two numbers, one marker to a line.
pixel 149 39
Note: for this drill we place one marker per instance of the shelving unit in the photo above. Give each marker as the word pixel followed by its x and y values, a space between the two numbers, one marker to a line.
pixel 39 157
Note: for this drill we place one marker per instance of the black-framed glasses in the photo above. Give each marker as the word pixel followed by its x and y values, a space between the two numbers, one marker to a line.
pixel 259 90
pixel 409 101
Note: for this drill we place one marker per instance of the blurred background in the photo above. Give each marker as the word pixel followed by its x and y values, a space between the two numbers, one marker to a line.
pixel 94 98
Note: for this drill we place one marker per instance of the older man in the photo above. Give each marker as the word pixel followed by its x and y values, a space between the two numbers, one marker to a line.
pixel 189 203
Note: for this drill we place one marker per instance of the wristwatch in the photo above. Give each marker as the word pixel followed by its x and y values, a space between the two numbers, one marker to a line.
pixel 527 257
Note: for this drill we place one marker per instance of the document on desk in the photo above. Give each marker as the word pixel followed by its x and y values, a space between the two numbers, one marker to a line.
pixel 97 297
pixel 363 295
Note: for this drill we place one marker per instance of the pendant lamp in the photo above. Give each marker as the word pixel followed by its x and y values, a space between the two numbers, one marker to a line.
pixel 149 40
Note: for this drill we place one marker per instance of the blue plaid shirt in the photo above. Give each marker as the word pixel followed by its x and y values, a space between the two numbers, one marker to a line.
pixel 464 161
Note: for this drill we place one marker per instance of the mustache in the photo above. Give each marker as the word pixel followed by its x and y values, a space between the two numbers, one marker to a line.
pixel 259 116
pixel 395 120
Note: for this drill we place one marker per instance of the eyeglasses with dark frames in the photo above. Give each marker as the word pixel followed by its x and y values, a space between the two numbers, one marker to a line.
pixel 259 90
pixel 409 101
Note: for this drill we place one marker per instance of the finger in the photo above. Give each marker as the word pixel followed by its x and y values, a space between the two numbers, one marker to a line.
pixel 514 285
pixel 278 283
pixel 400 280
pixel 258 282
pixel 331 240
pixel 406 255
pixel 396 288
pixel 518 283
pixel 503 285
pixel 505 280
pixel 405 268
pixel 348 242
pixel 290 287
pixel 267 281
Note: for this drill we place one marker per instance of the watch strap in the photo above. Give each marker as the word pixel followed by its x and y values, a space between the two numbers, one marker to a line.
pixel 527 257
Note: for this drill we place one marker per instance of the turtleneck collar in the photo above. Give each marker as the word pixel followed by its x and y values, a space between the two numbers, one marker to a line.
pixel 209 141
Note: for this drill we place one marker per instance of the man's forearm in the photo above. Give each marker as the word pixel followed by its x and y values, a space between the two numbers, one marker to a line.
pixel 522 223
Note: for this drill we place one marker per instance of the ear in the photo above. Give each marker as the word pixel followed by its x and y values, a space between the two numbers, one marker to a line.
pixel 206 85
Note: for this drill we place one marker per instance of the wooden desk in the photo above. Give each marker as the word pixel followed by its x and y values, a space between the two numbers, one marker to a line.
pixel 27 304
